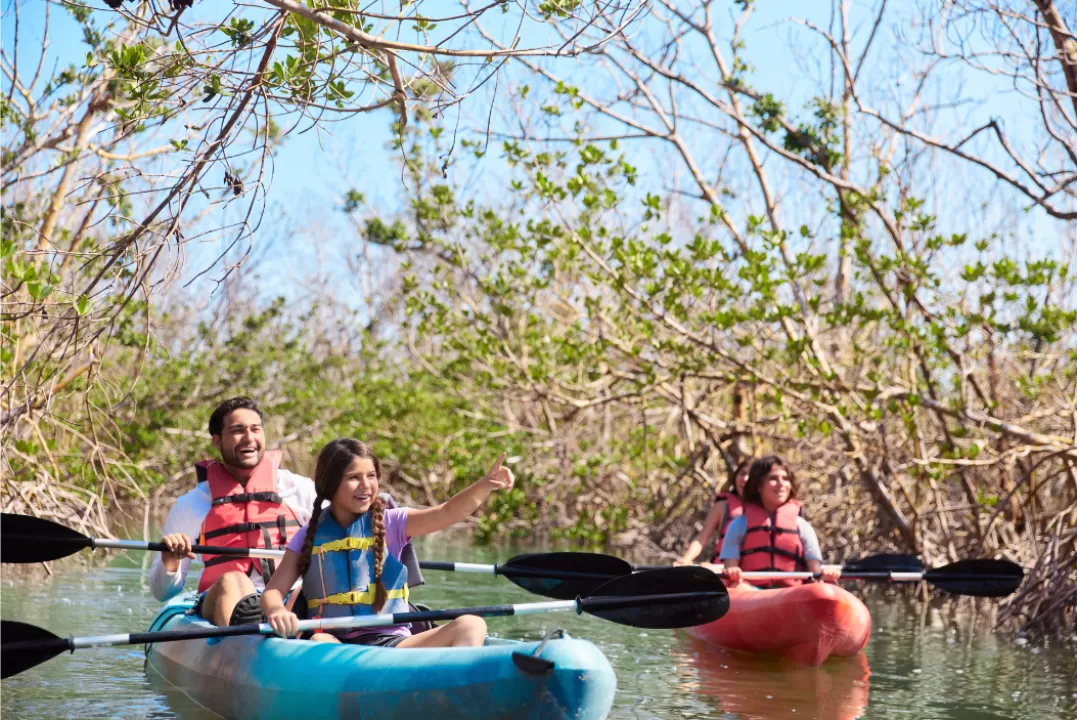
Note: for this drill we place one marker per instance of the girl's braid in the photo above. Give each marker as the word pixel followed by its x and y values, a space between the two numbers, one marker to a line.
pixel 377 518
pixel 308 541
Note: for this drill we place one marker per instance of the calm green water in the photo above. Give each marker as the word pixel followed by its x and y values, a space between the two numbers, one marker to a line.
pixel 917 665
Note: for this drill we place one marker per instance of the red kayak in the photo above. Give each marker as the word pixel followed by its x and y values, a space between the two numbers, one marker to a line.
pixel 805 624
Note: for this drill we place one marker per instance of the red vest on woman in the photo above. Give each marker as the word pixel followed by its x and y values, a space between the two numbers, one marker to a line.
pixel 734 508
pixel 772 542
pixel 248 516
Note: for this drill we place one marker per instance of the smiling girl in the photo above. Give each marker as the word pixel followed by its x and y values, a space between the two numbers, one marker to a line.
pixel 771 534
pixel 349 554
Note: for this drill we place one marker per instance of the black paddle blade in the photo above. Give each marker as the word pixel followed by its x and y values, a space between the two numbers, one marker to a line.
pixel 978 578
pixel 26 646
pixel 28 539
pixel 675 597
pixel 888 562
pixel 563 575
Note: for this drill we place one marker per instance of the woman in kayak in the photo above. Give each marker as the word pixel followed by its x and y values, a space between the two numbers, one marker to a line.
pixel 771 535
pixel 349 554
pixel 726 507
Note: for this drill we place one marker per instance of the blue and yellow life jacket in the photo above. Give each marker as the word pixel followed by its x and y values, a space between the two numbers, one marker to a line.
pixel 340 580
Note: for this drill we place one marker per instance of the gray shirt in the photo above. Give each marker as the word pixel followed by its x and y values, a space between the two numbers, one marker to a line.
pixel 734 537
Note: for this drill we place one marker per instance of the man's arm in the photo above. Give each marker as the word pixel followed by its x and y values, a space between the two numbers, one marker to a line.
pixel 298 492
pixel 186 517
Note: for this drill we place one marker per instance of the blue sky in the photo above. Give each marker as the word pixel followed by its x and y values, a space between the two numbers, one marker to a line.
pixel 312 169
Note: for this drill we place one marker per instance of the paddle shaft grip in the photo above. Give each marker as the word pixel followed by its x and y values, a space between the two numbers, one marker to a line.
pixel 513 571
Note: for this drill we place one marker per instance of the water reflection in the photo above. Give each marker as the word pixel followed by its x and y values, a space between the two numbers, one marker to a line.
pixel 753 687
pixel 937 661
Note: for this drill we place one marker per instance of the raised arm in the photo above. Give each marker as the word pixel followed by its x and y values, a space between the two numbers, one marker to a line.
pixel 461 505
pixel 710 525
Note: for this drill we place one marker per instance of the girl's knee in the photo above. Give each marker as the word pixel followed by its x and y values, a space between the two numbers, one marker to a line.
pixel 324 637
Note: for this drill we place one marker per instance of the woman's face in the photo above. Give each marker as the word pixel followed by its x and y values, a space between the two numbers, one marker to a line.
pixel 358 488
pixel 741 478
pixel 775 488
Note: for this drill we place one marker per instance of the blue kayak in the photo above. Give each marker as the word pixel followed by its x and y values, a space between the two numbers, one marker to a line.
pixel 269 677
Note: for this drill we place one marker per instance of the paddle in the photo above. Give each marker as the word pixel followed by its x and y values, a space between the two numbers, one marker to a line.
pixel 559 575
pixel 28 539
pixel 977 578
pixel 889 562
pixel 690 596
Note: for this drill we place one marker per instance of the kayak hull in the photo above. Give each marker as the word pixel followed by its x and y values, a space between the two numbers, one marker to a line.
pixel 804 624
pixel 257 677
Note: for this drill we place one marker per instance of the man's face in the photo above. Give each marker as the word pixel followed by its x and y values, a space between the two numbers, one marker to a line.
pixel 242 441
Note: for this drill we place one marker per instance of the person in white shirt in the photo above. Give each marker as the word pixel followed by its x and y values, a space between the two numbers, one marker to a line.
pixel 243 500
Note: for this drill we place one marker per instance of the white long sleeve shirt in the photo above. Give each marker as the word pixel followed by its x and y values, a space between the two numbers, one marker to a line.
pixel 190 510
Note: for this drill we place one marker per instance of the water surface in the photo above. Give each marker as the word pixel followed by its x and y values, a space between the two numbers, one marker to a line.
pixel 920 663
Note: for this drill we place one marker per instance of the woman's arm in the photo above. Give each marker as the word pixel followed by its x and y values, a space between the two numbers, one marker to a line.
pixel 461 505
pixel 283 620
pixel 713 521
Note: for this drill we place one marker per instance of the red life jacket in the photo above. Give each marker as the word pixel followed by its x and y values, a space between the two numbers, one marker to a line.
pixel 772 542
pixel 734 508
pixel 248 516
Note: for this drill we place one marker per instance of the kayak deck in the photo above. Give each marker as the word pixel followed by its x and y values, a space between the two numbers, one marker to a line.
pixel 805 624
pixel 269 677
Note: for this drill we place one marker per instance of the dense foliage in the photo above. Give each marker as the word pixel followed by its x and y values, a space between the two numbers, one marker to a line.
pixel 683 262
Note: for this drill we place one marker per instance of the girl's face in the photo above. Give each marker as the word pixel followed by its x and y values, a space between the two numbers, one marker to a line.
pixel 741 479
pixel 775 488
pixel 358 488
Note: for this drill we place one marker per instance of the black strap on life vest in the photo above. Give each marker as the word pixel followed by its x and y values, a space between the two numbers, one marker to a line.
pixel 249 526
pixel 270 497
pixel 771 550
pixel 218 560
pixel 267 566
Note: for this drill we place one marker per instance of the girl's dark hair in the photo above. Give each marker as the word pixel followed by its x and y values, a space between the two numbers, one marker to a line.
pixel 333 461
pixel 760 469
pixel 731 483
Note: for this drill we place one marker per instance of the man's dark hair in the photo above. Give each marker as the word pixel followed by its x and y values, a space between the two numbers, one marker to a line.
pixel 216 420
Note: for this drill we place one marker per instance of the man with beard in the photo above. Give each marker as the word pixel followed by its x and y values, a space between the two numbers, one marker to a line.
pixel 243 500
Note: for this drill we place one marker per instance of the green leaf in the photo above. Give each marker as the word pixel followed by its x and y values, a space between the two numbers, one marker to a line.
pixel 38 291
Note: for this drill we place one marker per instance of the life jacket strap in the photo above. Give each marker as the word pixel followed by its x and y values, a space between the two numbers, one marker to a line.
pixel 270 497
pixel 772 529
pixel 248 527
pixel 221 559
pixel 770 550
pixel 348 543
pixel 357 598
